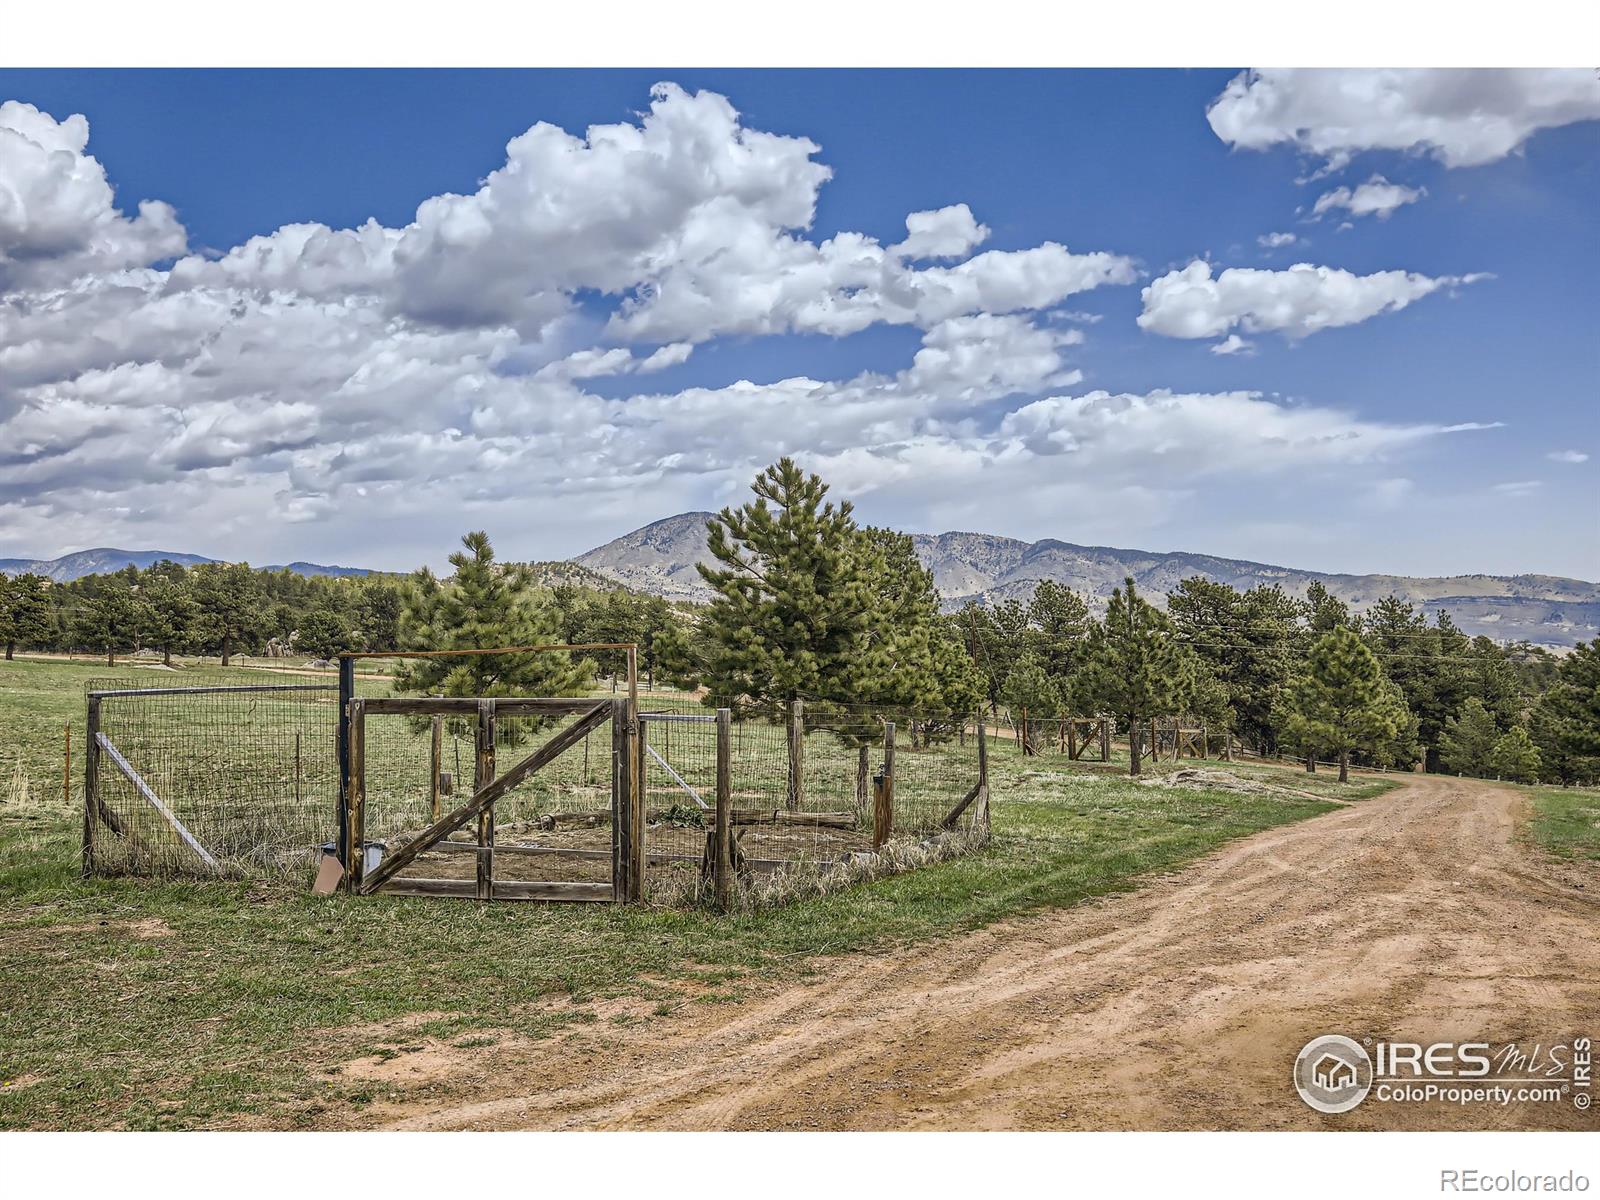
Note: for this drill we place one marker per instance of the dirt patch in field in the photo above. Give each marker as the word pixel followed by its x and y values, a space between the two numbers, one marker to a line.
pixel 149 928
pixel 1213 779
pixel 1413 916
pixel 428 1061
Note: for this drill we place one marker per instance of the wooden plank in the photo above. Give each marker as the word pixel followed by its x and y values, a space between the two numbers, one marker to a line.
pixel 778 816
pixel 460 706
pixel 535 890
pixel 954 814
pixel 467 889
pixel 722 869
pixel 154 801
pixel 481 799
pixel 544 646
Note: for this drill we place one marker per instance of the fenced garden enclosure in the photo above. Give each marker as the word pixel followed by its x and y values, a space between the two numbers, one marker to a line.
pixel 598 798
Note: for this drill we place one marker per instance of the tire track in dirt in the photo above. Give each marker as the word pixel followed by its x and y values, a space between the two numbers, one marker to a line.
pixel 1181 1006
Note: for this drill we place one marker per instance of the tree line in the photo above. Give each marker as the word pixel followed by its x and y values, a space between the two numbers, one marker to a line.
pixel 809 605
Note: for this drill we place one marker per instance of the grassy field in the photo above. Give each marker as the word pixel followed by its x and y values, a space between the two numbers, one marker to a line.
pixel 1566 821
pixel 148 1004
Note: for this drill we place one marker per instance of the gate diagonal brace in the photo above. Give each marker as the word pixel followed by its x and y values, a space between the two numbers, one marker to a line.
pixel 678 779
pixel 485 796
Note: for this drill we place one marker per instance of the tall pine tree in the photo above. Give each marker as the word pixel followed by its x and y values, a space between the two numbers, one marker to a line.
pixel 1342 704
pixel 1135 666
pixel 484 605
pixel 790 611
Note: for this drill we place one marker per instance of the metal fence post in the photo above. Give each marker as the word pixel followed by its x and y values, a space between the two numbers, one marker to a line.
pixel 347 693
pixel 91 783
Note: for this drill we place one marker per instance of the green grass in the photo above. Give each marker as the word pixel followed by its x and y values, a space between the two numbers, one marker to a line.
pixel 1566 821
pixel 169 1004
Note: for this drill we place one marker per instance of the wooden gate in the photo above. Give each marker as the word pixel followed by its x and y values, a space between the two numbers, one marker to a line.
pixel 490 785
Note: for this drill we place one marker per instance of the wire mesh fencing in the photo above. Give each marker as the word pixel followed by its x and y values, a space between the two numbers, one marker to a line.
pixel 818 797
pixel 237 780
pixel 245 780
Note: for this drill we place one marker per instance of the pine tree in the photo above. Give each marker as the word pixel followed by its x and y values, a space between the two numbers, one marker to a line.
pixel 232 609
pixel 172 608
pixel 1033 698
pixel 1566 721
pixel 1468 740
pixel 24 611
pixel 112 617
pixel 323 631
pixel 791 606
pixel 1340 704
pixel 1057 636
pixel 1135 666
pixel 483 606
pixel 1514 757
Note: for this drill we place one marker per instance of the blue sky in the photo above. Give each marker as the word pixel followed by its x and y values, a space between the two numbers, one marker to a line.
pixel 1334 449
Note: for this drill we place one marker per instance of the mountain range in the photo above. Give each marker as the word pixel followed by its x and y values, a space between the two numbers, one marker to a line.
pixel 105 560
pixel 986 568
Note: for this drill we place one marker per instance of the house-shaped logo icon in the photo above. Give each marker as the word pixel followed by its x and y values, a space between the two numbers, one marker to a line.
pixel 1333 1073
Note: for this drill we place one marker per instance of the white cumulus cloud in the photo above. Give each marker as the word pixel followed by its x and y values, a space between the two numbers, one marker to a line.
pixel 501 346
pixel 1462 117
pixel 58 217
pixel 1296 302
pixel 1377 197
pixel 951 232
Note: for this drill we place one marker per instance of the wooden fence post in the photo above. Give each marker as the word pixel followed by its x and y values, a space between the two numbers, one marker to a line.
pixel 723 866
pixel 797 756
pixel 621 802
pixel 1072 738
pixel 983 777
pixel 355 794
pixel 483 774
pixel 436 757
pixel 883 806
pixel 91 783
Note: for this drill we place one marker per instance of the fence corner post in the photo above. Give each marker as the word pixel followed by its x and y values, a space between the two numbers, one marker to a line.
pixel 723 866
pixel 883 802
pixel 797 754
pixel 983 777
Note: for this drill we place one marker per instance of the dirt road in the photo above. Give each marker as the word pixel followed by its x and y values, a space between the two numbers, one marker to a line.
pixel 1413 916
